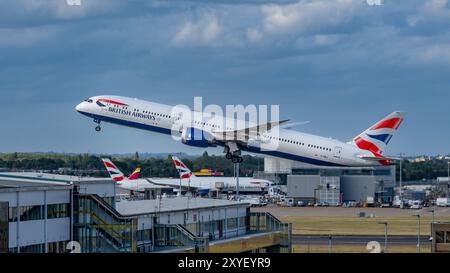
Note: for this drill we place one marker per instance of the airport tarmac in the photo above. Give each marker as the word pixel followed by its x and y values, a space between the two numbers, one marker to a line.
pixel 279 211
pixel 358 240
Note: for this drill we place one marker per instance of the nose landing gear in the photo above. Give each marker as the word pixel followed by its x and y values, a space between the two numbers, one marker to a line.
pixel 98 128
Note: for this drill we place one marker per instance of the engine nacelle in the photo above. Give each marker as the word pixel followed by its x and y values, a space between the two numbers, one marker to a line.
pixel 197 138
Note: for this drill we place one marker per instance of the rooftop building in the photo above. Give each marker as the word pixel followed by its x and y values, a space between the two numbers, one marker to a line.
pixel 44 212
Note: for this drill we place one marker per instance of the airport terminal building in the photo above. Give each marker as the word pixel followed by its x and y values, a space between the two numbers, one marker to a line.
pixel 42 213
pixel 333 186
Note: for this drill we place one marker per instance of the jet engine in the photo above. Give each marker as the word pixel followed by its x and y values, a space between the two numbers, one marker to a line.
pixel 197 138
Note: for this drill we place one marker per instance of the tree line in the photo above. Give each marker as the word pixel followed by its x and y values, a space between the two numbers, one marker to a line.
pixel 163 167
pixel 151 167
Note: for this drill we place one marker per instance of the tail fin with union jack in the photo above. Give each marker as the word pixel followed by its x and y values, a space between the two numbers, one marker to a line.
pixel 377 137
pixel 182 169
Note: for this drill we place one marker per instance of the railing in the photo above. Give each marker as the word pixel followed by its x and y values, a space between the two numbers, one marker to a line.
pixel 108 224
pixel 118 232
pixel 178 236
pixel 265 221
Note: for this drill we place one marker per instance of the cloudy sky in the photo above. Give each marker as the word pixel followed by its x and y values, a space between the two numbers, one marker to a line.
pixel 340 64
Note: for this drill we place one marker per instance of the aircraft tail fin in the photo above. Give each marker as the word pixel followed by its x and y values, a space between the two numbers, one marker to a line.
pixel 113 171
pixel 182 169
pixel 135 174
pixel 377 137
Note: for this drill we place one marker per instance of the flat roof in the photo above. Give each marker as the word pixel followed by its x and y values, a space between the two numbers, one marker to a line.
pixel 138 207
pixel 16 185
pixel 34 181
pixel 51 178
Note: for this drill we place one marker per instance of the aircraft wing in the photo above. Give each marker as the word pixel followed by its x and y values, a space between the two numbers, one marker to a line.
pixel 248 132
pixel 293 124
pixel 174 185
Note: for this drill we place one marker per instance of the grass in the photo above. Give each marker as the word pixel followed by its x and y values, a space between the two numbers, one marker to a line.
pixel 406 225
pixel 357 249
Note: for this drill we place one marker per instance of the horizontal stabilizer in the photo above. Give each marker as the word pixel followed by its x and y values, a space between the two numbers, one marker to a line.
pixel 374 158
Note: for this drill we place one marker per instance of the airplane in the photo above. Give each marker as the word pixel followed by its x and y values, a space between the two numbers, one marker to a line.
pixel 132 182
pixel 205 184
pixel 204 130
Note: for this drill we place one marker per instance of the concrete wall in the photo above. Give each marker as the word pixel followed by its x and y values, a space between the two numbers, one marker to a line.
pixel 101 189
pixel 277 165
pixel 302 186
pixel 357 187
pixel 39 231
pixel 34 198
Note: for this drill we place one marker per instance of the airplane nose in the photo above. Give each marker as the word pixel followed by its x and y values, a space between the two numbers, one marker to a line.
pixel 79 107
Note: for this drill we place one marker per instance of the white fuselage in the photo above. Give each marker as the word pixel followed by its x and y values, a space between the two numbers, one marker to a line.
pixel 288 144
pixel 202 183
pixel 138 185
pixel 215 183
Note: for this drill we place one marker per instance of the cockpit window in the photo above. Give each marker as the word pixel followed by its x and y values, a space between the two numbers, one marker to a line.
pixel 88 100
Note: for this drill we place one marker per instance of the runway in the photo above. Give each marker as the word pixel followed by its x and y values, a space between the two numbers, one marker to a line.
pixel 358 240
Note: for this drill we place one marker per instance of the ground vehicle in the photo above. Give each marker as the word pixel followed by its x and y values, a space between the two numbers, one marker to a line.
pixel 349 204
pixel 254 201
pixel 443 202
pixel 322 204
pixel 416 204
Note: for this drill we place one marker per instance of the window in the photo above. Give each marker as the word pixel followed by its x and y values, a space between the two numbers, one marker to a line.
pixel 28 213
pixel 231 223
pixel 38 248
pixel 242 221
pixel 58 211
pixel 12 214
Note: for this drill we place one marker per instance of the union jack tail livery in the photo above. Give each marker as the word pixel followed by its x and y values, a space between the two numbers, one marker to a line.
pixel 377 137
pixel 116 174
pixel 182 169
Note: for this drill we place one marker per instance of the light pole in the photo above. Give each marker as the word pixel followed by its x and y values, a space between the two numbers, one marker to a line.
pixel 448 178
pixel 385 235
pixel 330 246
pixel 432 230
pixel 418 231
pixel 432 213
pixel 400 178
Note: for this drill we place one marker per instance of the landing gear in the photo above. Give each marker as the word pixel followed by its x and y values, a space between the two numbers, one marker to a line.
pixel 233 153
pixel 237 159
pixel 98 128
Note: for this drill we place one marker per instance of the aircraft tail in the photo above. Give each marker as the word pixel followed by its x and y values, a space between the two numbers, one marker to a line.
pixel 377 137
pixel 113 171
pixel 135 174
pixel 182 169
